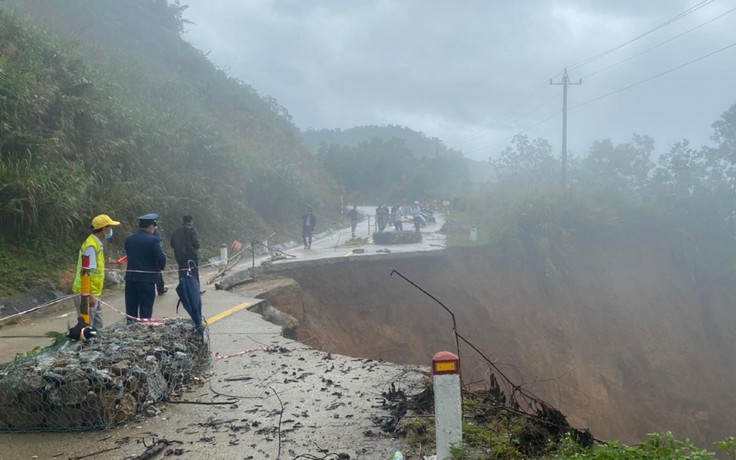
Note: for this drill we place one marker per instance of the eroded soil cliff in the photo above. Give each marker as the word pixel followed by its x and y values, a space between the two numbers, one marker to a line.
pixel 620 338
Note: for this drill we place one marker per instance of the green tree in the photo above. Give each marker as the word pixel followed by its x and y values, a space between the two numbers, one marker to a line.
pixel 622 169
pixel 528 164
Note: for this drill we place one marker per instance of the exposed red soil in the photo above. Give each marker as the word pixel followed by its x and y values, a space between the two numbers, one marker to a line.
pixel 619 339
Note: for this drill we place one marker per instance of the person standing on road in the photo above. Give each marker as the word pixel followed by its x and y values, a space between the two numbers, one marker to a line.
pixel 146 259
pixel 309 221
pixel 93 248
pixel 397 217
pixel 185 243
pixel 353 215
pixel 416 213
pixel 382 217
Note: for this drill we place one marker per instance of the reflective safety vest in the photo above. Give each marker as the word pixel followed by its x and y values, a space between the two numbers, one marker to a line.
pixel 97 275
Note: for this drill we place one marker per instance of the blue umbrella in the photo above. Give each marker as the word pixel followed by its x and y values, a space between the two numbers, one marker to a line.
pixel 190 298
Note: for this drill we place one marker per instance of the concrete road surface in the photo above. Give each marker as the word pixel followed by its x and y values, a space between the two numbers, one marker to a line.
pixel 272 398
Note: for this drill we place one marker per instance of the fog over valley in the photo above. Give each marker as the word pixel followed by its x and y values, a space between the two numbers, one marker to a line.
pixel 475 74
pixel 345 187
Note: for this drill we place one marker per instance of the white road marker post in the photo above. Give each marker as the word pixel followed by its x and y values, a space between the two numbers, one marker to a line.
pixel 223 254
pixel 448 411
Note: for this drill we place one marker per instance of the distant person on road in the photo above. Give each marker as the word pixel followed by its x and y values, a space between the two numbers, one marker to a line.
pixel 353 215
pixel 146 259
pixel 397 217
pixel 309 221
pixel 382 217
pixel 185 243
pixel 93 248
pixel 161 288
pixel 416 213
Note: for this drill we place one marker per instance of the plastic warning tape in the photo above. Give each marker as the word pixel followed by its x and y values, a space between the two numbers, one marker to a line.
pixel 31 310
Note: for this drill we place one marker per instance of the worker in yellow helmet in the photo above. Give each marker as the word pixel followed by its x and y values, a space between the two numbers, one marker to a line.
pixel 93 248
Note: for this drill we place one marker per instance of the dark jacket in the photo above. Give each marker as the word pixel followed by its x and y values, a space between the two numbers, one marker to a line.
pixel 309 221
pixel 157 234
pixel 144 255
pixel 185 242
pixel 353 214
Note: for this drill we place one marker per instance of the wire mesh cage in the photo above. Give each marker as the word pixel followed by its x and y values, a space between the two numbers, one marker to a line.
pixel 96 384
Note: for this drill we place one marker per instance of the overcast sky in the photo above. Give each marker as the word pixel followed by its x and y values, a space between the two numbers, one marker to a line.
pixel 474 73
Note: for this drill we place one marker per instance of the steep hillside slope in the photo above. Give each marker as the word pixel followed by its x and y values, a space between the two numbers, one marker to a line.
pixel 112 86
pixel 622 343
pixel 447 172
pixel 104 108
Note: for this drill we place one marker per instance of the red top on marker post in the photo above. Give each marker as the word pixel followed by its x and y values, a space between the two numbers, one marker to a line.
pixel 445 362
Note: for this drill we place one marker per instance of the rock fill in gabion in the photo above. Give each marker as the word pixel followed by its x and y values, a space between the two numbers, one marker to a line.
pixel 402 237
pixel 102 382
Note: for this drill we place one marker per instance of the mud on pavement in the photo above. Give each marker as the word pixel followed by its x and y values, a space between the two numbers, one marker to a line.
pixel 265 397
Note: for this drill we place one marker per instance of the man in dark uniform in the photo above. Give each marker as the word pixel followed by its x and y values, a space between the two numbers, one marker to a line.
pixel 353 215
pixel 185 243
pixel 309 221
pixel 146 259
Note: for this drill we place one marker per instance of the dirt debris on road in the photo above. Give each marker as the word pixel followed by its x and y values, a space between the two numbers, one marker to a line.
pixel 273 397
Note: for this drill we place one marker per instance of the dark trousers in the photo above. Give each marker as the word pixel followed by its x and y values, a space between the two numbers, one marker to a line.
pixel 160 284
pixel 307 236
pixel 417 223
pixel 185 264
pixel 398 225
pixel 353 224
pixel 382 221
pixel 139 297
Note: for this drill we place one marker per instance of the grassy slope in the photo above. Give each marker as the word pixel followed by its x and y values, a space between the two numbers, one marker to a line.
pixel 91 127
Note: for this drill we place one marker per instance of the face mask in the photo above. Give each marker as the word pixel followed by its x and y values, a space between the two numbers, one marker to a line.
pixel 108 235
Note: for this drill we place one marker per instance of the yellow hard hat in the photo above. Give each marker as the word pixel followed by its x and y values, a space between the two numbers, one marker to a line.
pixel 103 220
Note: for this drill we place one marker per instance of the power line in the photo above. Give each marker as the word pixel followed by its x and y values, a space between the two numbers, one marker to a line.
pixel 518 118
pixel 525 101
pixel 488 130
pixel 484 132
pixel 664 24
pixel 660 44
pixel 544 103
pixel 509 138
pixel 653 77
pixel 528 128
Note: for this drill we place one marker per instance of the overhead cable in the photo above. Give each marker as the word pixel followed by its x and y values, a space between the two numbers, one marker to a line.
pixel 507 139
pixel 484 132
pixel 525 101
pixel 664 24
pixel 660 44
pixel 653 76
pixel 487 130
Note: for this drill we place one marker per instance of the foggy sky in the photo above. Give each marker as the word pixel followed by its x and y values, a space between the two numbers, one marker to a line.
pixel 475 73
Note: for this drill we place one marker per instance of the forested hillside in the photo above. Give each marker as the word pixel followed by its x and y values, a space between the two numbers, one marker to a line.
pixel 404 165
pixel 419 144
pixel 105 109
pixel 636 257
pixel 685 198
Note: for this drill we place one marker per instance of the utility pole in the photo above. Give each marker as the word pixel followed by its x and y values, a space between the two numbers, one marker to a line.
pixel 565 83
